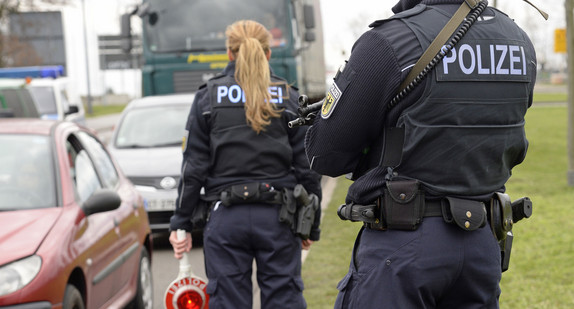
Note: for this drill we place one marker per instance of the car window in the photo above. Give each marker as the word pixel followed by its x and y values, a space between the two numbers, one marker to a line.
pixel 86 178
pixel 27 177
pixel 20 101
pixel 152 127
pixel 65 101
pixel 45 99
pixel 102 160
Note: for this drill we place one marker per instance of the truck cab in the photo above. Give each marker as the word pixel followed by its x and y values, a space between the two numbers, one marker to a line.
pixel 183 42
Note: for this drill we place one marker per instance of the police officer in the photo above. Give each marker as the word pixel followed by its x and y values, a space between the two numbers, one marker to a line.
pixel 461 131
pixel 240 149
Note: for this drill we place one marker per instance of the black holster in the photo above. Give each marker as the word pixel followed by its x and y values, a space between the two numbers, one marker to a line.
pixel 200 214
pixel 288 209
pixel 503 214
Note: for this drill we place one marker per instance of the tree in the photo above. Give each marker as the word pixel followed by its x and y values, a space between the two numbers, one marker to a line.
pixel 13 52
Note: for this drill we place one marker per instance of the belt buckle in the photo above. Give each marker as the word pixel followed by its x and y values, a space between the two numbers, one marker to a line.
pixel 380 224
pixel 472 3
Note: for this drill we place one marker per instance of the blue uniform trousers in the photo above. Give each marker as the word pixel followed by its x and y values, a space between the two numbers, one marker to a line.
pixel 236 235
pixel 439 265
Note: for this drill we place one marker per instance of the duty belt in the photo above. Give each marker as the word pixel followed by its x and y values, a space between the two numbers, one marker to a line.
pixel 367 213
pixel 468 214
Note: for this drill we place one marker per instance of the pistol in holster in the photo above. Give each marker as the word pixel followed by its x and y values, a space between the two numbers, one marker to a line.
pixel 307 207
pixel 503 214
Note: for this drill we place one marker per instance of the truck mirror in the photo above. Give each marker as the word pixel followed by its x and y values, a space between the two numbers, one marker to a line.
pixel 152 18
pixel 309 16
pixel 126 32
pixel 309 36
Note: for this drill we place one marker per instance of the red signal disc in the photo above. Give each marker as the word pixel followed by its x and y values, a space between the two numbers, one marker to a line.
pixel 187 293
pixel 189 300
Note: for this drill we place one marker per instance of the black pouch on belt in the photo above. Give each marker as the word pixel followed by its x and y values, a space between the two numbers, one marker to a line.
pixel 246 193
pixel 403 204
pixel 467 214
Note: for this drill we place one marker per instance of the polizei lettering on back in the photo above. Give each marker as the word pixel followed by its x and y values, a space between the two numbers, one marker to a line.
pixel 234 94
pixel 485 61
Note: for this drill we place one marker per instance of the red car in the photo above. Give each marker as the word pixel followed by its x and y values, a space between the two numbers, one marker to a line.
pixel 73 229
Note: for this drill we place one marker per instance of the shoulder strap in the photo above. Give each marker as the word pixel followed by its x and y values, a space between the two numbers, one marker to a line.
pixel 435 52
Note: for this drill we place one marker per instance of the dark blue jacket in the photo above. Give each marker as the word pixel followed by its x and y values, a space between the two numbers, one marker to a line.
pixel 464 128
pixel 222 150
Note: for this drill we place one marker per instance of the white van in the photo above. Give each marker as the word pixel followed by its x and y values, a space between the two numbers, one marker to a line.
pixel 55 95
pixel 56 99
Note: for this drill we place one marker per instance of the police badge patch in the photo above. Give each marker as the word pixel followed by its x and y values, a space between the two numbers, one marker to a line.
pixel 330 101
pixel 341 80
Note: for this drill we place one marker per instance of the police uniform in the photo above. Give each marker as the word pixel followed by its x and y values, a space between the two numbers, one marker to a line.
pixel 463 133
pixel 221 151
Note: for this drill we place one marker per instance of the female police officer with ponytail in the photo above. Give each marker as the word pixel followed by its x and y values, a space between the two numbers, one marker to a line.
pixel 240 149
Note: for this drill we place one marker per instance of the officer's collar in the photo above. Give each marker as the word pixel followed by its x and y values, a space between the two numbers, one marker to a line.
pixel 229 69
pixel 404 5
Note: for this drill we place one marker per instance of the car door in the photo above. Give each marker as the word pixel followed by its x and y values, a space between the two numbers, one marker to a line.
pixel 126 247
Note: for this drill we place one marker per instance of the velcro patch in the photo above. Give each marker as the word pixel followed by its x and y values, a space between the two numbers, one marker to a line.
pixel 330 101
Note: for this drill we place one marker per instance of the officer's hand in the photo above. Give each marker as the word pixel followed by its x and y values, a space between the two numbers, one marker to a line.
pixel 306 244
pixel 180 246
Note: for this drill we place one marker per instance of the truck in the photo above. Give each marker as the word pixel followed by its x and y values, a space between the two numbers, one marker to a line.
pixel 183 42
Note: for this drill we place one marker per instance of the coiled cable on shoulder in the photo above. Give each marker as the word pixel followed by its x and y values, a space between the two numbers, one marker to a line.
pixel 456 37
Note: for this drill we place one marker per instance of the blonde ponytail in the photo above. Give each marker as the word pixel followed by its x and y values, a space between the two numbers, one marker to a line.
pixel 249 42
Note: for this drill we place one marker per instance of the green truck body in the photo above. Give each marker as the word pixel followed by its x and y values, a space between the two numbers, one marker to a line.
pixel 183 42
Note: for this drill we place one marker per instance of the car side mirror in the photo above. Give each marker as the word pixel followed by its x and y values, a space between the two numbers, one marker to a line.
pixel 73 109
pixel 102 201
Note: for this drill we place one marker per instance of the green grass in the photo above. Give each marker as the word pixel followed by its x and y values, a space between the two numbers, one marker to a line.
pixel 550 97
pixel 541 273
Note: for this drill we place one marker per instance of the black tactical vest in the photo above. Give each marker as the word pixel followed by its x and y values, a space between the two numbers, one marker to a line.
pixel 238 151
pixel 466 133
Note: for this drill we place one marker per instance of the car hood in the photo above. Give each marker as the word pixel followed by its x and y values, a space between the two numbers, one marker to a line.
pixel 149 162
pixel 23 231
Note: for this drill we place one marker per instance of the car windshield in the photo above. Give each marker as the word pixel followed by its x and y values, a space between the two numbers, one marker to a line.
pixel 27 178
pixel 162 126
pixel 174 25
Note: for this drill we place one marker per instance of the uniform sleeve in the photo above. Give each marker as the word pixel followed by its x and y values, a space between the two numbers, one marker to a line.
pixel 195 164
pixel 353 114
pixel 310 180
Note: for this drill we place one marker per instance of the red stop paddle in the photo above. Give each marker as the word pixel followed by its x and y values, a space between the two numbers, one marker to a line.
pixel 188 290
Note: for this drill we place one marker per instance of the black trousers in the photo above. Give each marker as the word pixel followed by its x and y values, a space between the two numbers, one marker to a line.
pixel 439 265
pixel 237 235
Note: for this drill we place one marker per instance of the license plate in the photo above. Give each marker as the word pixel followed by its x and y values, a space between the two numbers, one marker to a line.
pixel 160 205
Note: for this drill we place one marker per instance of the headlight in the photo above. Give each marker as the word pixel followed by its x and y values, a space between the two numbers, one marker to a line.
pixel 16 275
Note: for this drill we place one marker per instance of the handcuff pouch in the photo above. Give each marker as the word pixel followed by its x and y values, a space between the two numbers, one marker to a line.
pixel 469 215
